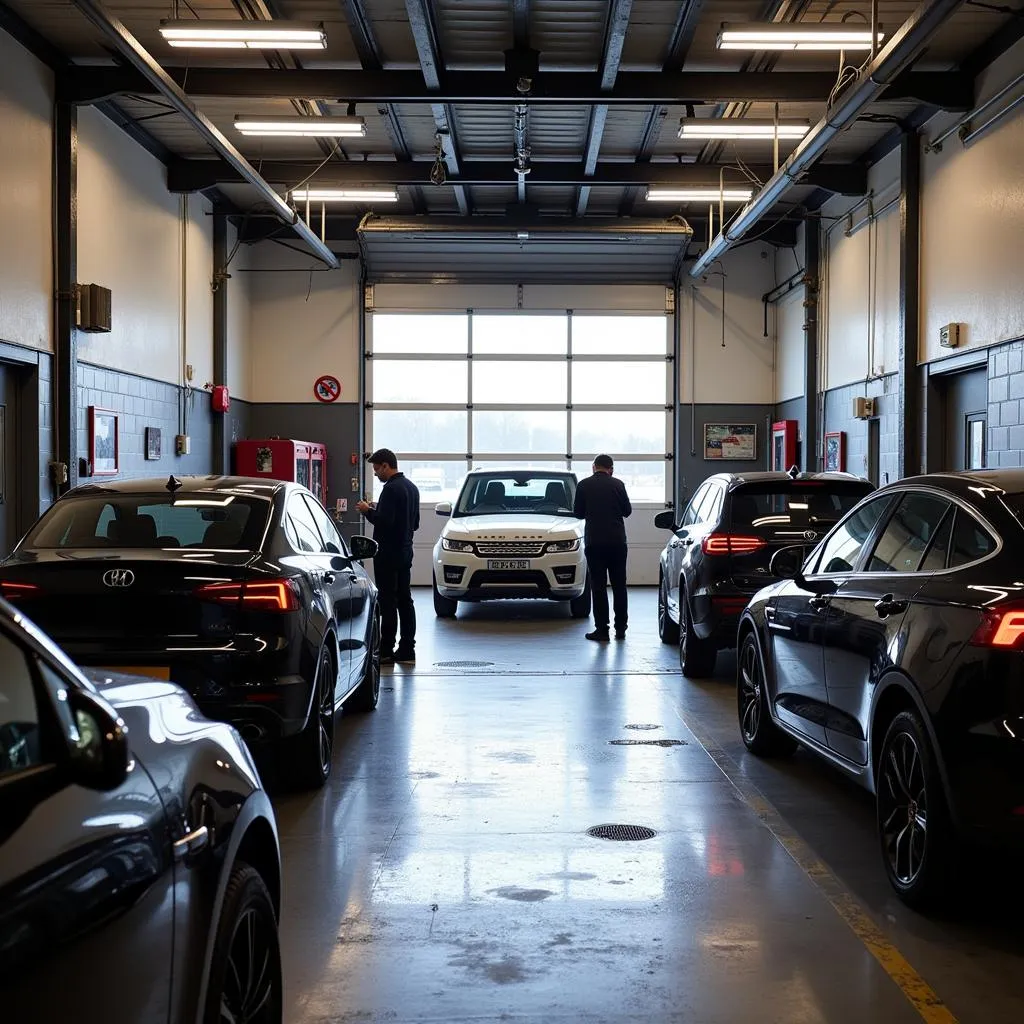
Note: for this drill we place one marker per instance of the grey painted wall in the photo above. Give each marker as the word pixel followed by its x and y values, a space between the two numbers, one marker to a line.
pixel 839 416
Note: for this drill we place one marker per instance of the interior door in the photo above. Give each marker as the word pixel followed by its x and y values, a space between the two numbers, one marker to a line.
pixel 8 458
pixel 966 403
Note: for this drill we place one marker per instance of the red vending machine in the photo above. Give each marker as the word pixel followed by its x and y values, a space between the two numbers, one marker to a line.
pixel 304 462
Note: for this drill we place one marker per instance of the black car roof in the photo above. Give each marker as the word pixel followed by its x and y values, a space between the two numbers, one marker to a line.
pixel 733 480
pixel 189 485
pixel 960 483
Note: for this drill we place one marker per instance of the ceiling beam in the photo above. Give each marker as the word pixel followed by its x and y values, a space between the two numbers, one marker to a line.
pixel 520 24
pixel 195 175
pixel 953 91
pixel 611 56
pixel 428 47
pixel 682 34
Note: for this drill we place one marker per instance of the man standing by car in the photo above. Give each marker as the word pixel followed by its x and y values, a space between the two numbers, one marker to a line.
pixel 603 503
pixel 395 518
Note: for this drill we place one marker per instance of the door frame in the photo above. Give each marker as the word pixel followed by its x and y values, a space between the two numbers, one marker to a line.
pixel 936 391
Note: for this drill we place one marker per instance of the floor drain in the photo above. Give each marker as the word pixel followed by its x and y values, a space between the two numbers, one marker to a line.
pixel 463 664
pixel 648 743
pixel 622 833
pixel 644 727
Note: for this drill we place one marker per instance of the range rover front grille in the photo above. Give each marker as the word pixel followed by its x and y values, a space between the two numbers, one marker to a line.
pixel 510 549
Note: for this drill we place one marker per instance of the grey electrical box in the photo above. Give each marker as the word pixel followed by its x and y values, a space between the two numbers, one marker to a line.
pixel 93 308
pixel 949 336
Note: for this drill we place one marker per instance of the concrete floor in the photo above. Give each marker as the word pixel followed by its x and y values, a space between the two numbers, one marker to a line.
pixel 444 874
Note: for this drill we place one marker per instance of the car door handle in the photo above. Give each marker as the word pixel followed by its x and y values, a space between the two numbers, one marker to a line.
pixel 189 845
pixel 328 578
pixel 353 576
pixel 887 605
pixel 819 602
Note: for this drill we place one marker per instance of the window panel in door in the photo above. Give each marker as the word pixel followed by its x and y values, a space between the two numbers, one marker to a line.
pixel 843 548
pixel 20 738
pixel 906 536
pixel 332 542
pixel 692 510
pixel 970 541
pixel 938 549
pixel 304 526
pixel 711 510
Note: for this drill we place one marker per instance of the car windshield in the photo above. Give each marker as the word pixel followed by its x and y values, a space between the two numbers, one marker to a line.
pixel 195 520
pixel 797 503
pixel 502 492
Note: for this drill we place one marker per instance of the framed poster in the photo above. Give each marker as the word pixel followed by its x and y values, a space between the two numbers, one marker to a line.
pixel 103 442
pixel 730 441
pixel 152 443
pixel 835 452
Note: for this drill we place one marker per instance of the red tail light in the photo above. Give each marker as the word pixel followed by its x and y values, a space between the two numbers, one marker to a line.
pixel 731 544
pixel 261 595
pixel 12 591
pixel 1000 627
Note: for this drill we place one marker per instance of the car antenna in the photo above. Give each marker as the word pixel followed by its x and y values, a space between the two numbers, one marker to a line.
pixel 173 483
pixel 794 471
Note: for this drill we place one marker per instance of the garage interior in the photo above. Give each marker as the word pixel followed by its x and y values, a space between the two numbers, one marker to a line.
pixel 547 266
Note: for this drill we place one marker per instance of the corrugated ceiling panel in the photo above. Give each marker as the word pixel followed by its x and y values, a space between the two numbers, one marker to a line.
pixel 650 30
pixel 388 21
pixel 555 199
pixel 418 128
pixel 493 198
pixel 568 33
pixel 623 130
pixel 474 33
pixel 557 133
pixel 484 132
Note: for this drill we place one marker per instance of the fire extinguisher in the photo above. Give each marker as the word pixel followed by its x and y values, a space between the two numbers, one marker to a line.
pixel 219 398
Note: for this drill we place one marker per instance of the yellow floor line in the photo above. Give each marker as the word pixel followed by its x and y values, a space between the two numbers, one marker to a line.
pixel 917 991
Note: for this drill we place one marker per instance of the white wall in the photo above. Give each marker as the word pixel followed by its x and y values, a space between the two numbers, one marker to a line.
pixel 790 335
pixel 972 234
pixel 301 325
pixel 26 198
pixel 239 353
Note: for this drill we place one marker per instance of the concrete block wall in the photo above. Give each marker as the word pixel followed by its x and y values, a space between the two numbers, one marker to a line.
pixel 1006 405
pixel 838 416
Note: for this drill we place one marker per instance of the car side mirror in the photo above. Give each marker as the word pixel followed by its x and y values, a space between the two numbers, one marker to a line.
pixel 443 508
pixel 787 563
pixel 363 548
pixel 665 520
pixel 98 753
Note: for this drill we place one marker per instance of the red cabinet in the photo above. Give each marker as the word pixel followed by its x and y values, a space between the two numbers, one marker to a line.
pixel 304 462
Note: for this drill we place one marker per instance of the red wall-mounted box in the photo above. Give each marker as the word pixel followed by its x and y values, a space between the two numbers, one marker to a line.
pixel 304 462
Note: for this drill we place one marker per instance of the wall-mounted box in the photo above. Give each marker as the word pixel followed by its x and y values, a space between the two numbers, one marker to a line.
pixel 93 308
pixel 949 336
pixel 863 408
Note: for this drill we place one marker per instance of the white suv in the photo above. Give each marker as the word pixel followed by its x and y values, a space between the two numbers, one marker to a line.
pixel 511 533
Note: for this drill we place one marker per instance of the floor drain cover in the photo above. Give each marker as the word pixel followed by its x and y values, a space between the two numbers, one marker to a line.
pixel 622 833
pixel 644 727
pixel 463 664
pixel 648 743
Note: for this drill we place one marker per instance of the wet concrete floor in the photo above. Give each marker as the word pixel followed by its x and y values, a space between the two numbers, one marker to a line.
pixel 445 872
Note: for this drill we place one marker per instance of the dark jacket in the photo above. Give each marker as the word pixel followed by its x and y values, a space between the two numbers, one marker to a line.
pixel 396 517
pixel 602 501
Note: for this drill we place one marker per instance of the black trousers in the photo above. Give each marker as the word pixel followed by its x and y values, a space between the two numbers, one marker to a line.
pixel 608 561
pixel 393 576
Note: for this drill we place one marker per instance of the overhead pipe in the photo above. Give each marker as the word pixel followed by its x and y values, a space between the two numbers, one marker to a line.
pixel 935 145
pixel 140 58
pixel 905 45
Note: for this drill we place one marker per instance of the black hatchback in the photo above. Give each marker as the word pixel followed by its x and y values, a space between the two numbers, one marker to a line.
pixel 722 546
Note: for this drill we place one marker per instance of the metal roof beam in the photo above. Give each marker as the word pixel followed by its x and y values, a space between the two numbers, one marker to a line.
pixel 951 90
pixel 614 39
pixel 521 24
pixel 133 51
pixel 425 35
pixel 682 34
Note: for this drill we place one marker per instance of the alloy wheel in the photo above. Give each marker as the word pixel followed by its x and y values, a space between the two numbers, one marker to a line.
pixel 326 717
pixel 375 660
pixel 662 610
pixel 750 693
pixel 248 995
pixel 903 808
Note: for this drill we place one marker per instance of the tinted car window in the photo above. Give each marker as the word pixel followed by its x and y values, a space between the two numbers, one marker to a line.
pixel 799 504
pixel 843 548
pixel 196 520
pixel 332 541
pixel 938 549
pixel 690 515
pixel 908 533
pixel 501 492
pixel 19 716
pixel 707 504
pixel 971 540
pixel 303 527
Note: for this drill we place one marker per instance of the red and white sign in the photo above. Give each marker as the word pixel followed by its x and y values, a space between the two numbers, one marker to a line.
pixel 327 388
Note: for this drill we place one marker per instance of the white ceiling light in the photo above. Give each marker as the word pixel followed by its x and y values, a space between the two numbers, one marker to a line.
pixel 333 127
pixel 739 128
pixel 798 36
pixel 244 35
pixel 345 195
pixel 696 195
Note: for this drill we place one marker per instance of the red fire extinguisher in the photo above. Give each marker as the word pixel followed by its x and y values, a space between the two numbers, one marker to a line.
pixel 219 398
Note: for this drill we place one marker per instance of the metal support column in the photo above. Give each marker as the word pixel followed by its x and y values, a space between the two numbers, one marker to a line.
pixel 910 424
pixel 65 230
pixel 221 456
pixel 812 268
pixel 676 392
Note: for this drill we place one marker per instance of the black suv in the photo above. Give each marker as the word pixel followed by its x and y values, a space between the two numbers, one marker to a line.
pixel 718 557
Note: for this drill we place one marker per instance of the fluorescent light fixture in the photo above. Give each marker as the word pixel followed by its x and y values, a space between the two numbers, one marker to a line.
pixel 244 35
pixel 798 36
pixel 334 127
pixel 345 195
pixel 739 128
pixel 696 195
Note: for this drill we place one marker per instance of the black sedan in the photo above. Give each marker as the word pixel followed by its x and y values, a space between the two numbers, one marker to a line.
pixel 242 591
pixel 896 651
pixel 719 555
pixel 140 876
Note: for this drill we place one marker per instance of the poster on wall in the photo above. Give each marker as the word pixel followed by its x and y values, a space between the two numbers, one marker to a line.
pixel 153 443
pixel 104 452
pixel 835 452
pixel 730 441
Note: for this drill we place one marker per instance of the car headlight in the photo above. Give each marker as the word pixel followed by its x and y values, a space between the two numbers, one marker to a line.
pixel 563 545
pixel 455 545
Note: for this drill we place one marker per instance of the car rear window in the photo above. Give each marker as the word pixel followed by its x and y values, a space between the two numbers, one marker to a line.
pixel 794 503
pixel 214 520
pixel 503 492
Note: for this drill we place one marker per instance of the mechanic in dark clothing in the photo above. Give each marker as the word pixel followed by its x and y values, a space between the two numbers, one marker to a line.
pixel 395 518
pixel 602 502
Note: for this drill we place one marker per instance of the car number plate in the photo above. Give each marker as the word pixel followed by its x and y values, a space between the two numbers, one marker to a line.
pixel 508 563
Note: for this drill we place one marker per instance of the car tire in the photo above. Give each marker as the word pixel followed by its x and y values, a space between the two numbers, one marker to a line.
pixel 696 657
pixel 245 968
pixel 444 607
pixel 315 744
pixel 368 692
pixel 579 607
pixel 761 735
pixel 919 850
pixel 668 628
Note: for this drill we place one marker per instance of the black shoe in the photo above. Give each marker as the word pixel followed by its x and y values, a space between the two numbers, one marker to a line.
pixel 600 635
pixel 405 657
pixel 387 659
pixel 620 634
